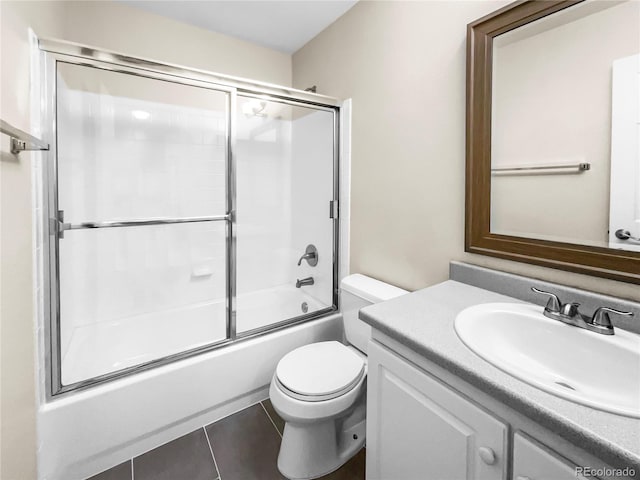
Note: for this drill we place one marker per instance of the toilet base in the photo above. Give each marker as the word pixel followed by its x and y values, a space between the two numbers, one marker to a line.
pixel 310 451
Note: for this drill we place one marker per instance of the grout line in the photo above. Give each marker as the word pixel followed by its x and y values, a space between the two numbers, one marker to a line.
pixel 212 455
pixel 132 474
pixel 270 419
pixel 241 409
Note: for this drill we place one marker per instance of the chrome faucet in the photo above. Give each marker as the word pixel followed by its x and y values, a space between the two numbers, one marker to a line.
pixel 568 313
pixel 310 255
pixel 304 281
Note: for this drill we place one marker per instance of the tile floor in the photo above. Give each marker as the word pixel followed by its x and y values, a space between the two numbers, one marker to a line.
pixel 243 446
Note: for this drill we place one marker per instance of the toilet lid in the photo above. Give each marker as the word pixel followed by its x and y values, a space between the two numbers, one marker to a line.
pixel 320 369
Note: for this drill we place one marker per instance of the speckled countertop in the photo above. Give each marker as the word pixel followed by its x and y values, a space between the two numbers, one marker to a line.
pixel 423 321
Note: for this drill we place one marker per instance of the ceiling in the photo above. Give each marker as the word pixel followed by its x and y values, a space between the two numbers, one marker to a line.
pixel 282 25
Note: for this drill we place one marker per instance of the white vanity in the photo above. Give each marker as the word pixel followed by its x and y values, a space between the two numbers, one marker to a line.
pixel 437 410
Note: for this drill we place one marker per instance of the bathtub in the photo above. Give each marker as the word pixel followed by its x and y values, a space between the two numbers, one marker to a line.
pixel 104 347
pixel 84 432
pixel 265 307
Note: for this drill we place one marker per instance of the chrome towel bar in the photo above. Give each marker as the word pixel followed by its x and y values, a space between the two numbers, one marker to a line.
pixel 542 169
pixel 21 141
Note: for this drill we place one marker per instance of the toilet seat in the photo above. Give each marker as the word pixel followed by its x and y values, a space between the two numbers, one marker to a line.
pixel 320 371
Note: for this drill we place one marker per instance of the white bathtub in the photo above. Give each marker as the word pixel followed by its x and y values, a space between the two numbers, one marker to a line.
pixel 85 432
pixel 266 307
pixel 104 347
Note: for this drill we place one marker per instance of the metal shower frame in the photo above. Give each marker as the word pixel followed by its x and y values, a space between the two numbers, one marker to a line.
pixel 55 51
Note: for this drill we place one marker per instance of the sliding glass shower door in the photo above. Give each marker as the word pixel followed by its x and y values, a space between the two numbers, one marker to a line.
pixel 285 156
pixel 142 197
pixel 185 211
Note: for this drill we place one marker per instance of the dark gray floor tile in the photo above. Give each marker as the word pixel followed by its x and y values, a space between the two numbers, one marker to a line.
pixel 246 446
pixel 352 470
pixel 277 421
pixel 187 457
pixel 119 472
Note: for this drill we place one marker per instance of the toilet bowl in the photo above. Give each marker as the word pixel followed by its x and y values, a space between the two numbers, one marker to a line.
pixel 319 390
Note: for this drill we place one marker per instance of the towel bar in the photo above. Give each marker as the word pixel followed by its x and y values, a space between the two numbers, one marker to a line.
pixel 542 169
pixel 21 141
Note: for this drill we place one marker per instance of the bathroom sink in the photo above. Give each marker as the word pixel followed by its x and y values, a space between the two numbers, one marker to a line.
pixel 599 371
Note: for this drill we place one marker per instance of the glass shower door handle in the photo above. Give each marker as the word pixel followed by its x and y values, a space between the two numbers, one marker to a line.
pixel 334 209
pixel 58 226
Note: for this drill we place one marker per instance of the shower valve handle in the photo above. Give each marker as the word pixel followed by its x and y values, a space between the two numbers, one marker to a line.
pixel 310 255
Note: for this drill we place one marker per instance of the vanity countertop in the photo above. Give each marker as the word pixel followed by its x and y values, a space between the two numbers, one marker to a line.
pixel 424 322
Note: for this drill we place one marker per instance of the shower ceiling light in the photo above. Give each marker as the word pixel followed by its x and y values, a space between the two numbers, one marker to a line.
pixel 140 114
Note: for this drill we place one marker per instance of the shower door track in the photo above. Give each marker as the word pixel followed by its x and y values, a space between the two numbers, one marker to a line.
pixel 54 51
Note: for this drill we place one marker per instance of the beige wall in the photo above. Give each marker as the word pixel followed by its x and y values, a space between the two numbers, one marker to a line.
pixel 108 25
pixel 403 63
pixel 17 345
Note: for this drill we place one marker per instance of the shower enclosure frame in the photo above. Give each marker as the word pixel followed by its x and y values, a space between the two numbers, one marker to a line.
pixel 54 51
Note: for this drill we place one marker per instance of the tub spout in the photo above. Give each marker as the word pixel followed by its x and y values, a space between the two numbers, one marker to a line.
pixel 304 281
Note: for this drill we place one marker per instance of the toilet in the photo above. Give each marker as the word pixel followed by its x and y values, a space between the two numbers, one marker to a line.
pixel 319 389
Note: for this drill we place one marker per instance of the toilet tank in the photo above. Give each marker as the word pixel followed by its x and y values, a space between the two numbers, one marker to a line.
pixel 358 291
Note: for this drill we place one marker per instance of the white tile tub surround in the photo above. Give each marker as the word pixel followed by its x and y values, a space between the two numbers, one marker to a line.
pixel 122 275
pixel 136 287
pixel 312 190
pixel 170 158
pixel 263 176
pixel 284 185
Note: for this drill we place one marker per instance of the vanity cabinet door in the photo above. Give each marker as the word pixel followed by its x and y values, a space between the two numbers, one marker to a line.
pixel 532 461
pixel 417 428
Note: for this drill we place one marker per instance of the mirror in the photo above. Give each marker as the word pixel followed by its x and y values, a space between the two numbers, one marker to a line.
pixel 553 136
pixel 564 161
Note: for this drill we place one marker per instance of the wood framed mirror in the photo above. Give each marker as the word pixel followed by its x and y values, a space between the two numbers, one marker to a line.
pixel 557 207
